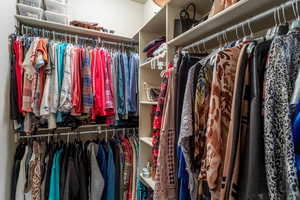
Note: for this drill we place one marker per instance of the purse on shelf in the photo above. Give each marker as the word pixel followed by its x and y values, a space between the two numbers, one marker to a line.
pixel 187 19
pixel 152 92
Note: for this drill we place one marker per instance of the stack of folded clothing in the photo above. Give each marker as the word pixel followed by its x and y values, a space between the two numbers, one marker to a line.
pixel 152 46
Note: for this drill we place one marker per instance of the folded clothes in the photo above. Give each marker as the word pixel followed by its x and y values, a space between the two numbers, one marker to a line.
pixel 160 49
pixel 153 48
pixel 153 43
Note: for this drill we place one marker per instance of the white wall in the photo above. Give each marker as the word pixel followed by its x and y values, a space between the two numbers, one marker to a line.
pixel 123 16
pixel 150 9
pixel 7 147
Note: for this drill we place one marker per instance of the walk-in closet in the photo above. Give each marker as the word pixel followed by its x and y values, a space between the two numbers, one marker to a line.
pixel 150 100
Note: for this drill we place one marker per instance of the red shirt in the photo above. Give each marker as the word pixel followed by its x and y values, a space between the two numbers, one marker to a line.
pixel 76 82
pixel 17 46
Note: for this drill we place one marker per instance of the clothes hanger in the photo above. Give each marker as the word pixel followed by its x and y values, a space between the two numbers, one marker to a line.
pixel 283 27
pixel 246 37
pixel 252 45
pixel 226 42
pixel 106 135
pixel 204 46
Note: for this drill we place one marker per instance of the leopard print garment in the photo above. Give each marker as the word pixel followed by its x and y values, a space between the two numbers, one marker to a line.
pixel 280 75
pixel 37 168
pixel 219 115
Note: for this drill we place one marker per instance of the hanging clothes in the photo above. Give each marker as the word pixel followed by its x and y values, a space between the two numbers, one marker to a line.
pixel 157 122
pixel 76 170
pixel 239 113
pixel 57 80
pixel 165 177
pixel 280 75
pixel 253 185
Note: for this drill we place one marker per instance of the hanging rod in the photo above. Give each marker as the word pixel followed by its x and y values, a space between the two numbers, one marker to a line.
pixel 271 13
pixel 46 33
pixel 76 133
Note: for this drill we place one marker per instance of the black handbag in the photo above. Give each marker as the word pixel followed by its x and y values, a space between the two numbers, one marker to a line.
pixel 186 20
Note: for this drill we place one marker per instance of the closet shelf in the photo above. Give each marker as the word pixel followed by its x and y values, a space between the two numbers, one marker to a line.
pixel 235 14
pixel 157 24
pixel 147 140
pixel 71 29
pixel 148 181
pixel 148 102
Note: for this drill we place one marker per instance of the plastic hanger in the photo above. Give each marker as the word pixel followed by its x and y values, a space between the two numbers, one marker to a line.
pixel 271 31
pixel 283 27
pixel 106 135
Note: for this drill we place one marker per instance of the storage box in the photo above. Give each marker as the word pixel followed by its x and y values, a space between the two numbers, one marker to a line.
pixel 33 3
pixel 30 11
pixel 55 17
pixel 56 6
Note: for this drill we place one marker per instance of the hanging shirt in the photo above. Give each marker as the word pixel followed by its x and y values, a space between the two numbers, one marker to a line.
pixel 98 83
pixel 121 85
pixel 41 61
pixel 87 91
pixel 127 193
pixel 96 180
pixel 37 167
pixel 65 104
pixel 238 126
pixel 280 76
pixel 54 193
pixel 127 83
pixel 202 99
pixel 111 173
pixel 133 88
pixel 219 115
pixel 18 50
pixel 102 161
pixel 134 168
pixel 60 66
pixel 165 177
pixel 186 132
pixel 108 85
pixel 47 108
pixel 28 67
pixel 76 82
pixel 157 122
pixel 114 70
pixel 183 177
pixel 22 178
pixel 60 51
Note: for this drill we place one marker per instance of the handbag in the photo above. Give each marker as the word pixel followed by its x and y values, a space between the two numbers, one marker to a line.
pixel 186 20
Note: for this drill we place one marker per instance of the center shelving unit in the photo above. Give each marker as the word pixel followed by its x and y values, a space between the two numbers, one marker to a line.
pixel 162 24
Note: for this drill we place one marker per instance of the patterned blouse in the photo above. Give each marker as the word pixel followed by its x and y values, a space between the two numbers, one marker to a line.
pixel 281 71
pixel 165 177
pixel 202 98
pixel 157 122
pixel 219 115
